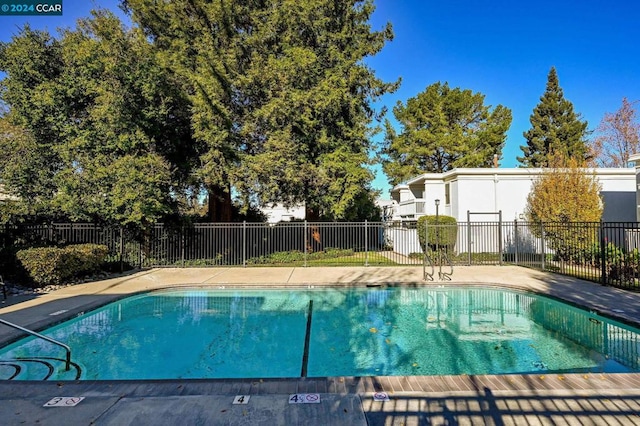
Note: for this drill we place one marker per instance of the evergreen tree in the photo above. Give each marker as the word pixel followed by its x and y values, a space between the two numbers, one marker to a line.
pixel 555 128
pixel 281 96
pixel 97 129
pixel 443 128
pixel 317 113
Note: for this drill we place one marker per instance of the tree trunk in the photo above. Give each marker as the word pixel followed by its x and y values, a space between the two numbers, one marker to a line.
pixel 219 204
pixel 311 214
pixel 314 239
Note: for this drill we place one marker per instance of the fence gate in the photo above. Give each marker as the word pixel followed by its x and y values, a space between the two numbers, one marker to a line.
pixel 484 239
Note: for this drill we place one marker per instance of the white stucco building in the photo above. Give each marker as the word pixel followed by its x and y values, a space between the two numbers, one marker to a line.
pixel 4 196
pixel 490 190
pixel 280 213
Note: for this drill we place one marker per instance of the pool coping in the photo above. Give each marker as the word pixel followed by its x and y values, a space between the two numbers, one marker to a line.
pixel 529 388
pixel 500 400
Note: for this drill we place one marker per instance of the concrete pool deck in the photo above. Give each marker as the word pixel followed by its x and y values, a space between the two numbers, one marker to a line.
pixel 499 400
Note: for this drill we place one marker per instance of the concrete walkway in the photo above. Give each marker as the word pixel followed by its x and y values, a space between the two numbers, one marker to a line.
pixel 514 399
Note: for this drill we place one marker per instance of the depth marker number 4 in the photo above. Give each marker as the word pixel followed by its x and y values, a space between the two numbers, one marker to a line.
pixel 304 398
pixel 241 399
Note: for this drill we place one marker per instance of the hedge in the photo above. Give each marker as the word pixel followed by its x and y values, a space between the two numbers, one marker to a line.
pixel 54 265
pixel 442 236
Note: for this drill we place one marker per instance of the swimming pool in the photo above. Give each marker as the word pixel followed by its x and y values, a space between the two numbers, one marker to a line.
pixel 394 331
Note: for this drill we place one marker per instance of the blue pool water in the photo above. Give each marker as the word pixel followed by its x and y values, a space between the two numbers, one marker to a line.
pixel 202 333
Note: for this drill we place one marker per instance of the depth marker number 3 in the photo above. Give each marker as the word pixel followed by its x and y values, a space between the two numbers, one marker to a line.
pixel 64 401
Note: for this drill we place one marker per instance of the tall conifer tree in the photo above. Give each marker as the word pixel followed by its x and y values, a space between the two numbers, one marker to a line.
pixel 555 127
pixel 443 128
pixel 281 96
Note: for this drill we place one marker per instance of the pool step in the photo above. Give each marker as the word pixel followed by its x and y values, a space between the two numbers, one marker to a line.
pixel 41 368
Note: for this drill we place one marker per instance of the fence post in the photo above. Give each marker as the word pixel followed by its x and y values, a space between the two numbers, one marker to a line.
pixel 469 237
pixel 244 243
pixel 515 235
pixel 500 235
pixel 305 243
pixel 603 255
pixel 140 248
pixel 366 245
pixel 182 244
pixel 121 249
pixel 542 262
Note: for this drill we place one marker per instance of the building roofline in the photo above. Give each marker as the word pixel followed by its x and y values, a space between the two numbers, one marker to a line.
pixel 515 171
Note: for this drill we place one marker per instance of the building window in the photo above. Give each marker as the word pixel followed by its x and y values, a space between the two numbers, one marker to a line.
pixel 447 194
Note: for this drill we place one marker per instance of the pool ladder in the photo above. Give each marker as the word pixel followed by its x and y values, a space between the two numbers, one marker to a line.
pixel 40 336
pixel 427 262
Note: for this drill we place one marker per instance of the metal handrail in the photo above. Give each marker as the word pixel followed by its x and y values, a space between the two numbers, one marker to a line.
pixel 426 258
pixel 4 288
pixel 444 275
pixel 48 339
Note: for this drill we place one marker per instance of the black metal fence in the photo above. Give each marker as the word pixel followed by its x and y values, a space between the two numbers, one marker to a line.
pixel 603 252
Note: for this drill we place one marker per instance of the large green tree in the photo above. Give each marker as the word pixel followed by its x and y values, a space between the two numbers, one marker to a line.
pixel 97 128
pixel 555 128
pixel 442 128
pixel 281 96
pixel 28 158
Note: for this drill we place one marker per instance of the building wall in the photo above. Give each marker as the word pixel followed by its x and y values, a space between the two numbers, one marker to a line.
pixel 4 196
pixel 506 190
pixel 280 213
pixel 619 197
pixel 491 194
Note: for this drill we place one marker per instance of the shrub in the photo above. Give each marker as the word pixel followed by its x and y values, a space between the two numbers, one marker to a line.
pixel 117 266
pixel 44 265
pixel 592 255
pixel 622 266
pixel 53 265
pixel 444 235
pixel 89 257
pixel 8 262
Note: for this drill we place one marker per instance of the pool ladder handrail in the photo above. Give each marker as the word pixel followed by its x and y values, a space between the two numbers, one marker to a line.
pixel 427 259
pixel 445 275
pixel 4 288
pixel 40 336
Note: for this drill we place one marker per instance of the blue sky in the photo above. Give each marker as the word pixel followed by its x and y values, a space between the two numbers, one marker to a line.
pixel 505 48
pixel 501 48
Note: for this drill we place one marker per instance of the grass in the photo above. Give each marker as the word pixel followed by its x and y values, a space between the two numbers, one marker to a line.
pixel 372 259
pixel 328 257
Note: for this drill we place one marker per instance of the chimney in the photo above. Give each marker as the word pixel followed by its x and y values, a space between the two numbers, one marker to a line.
pixel 495 161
